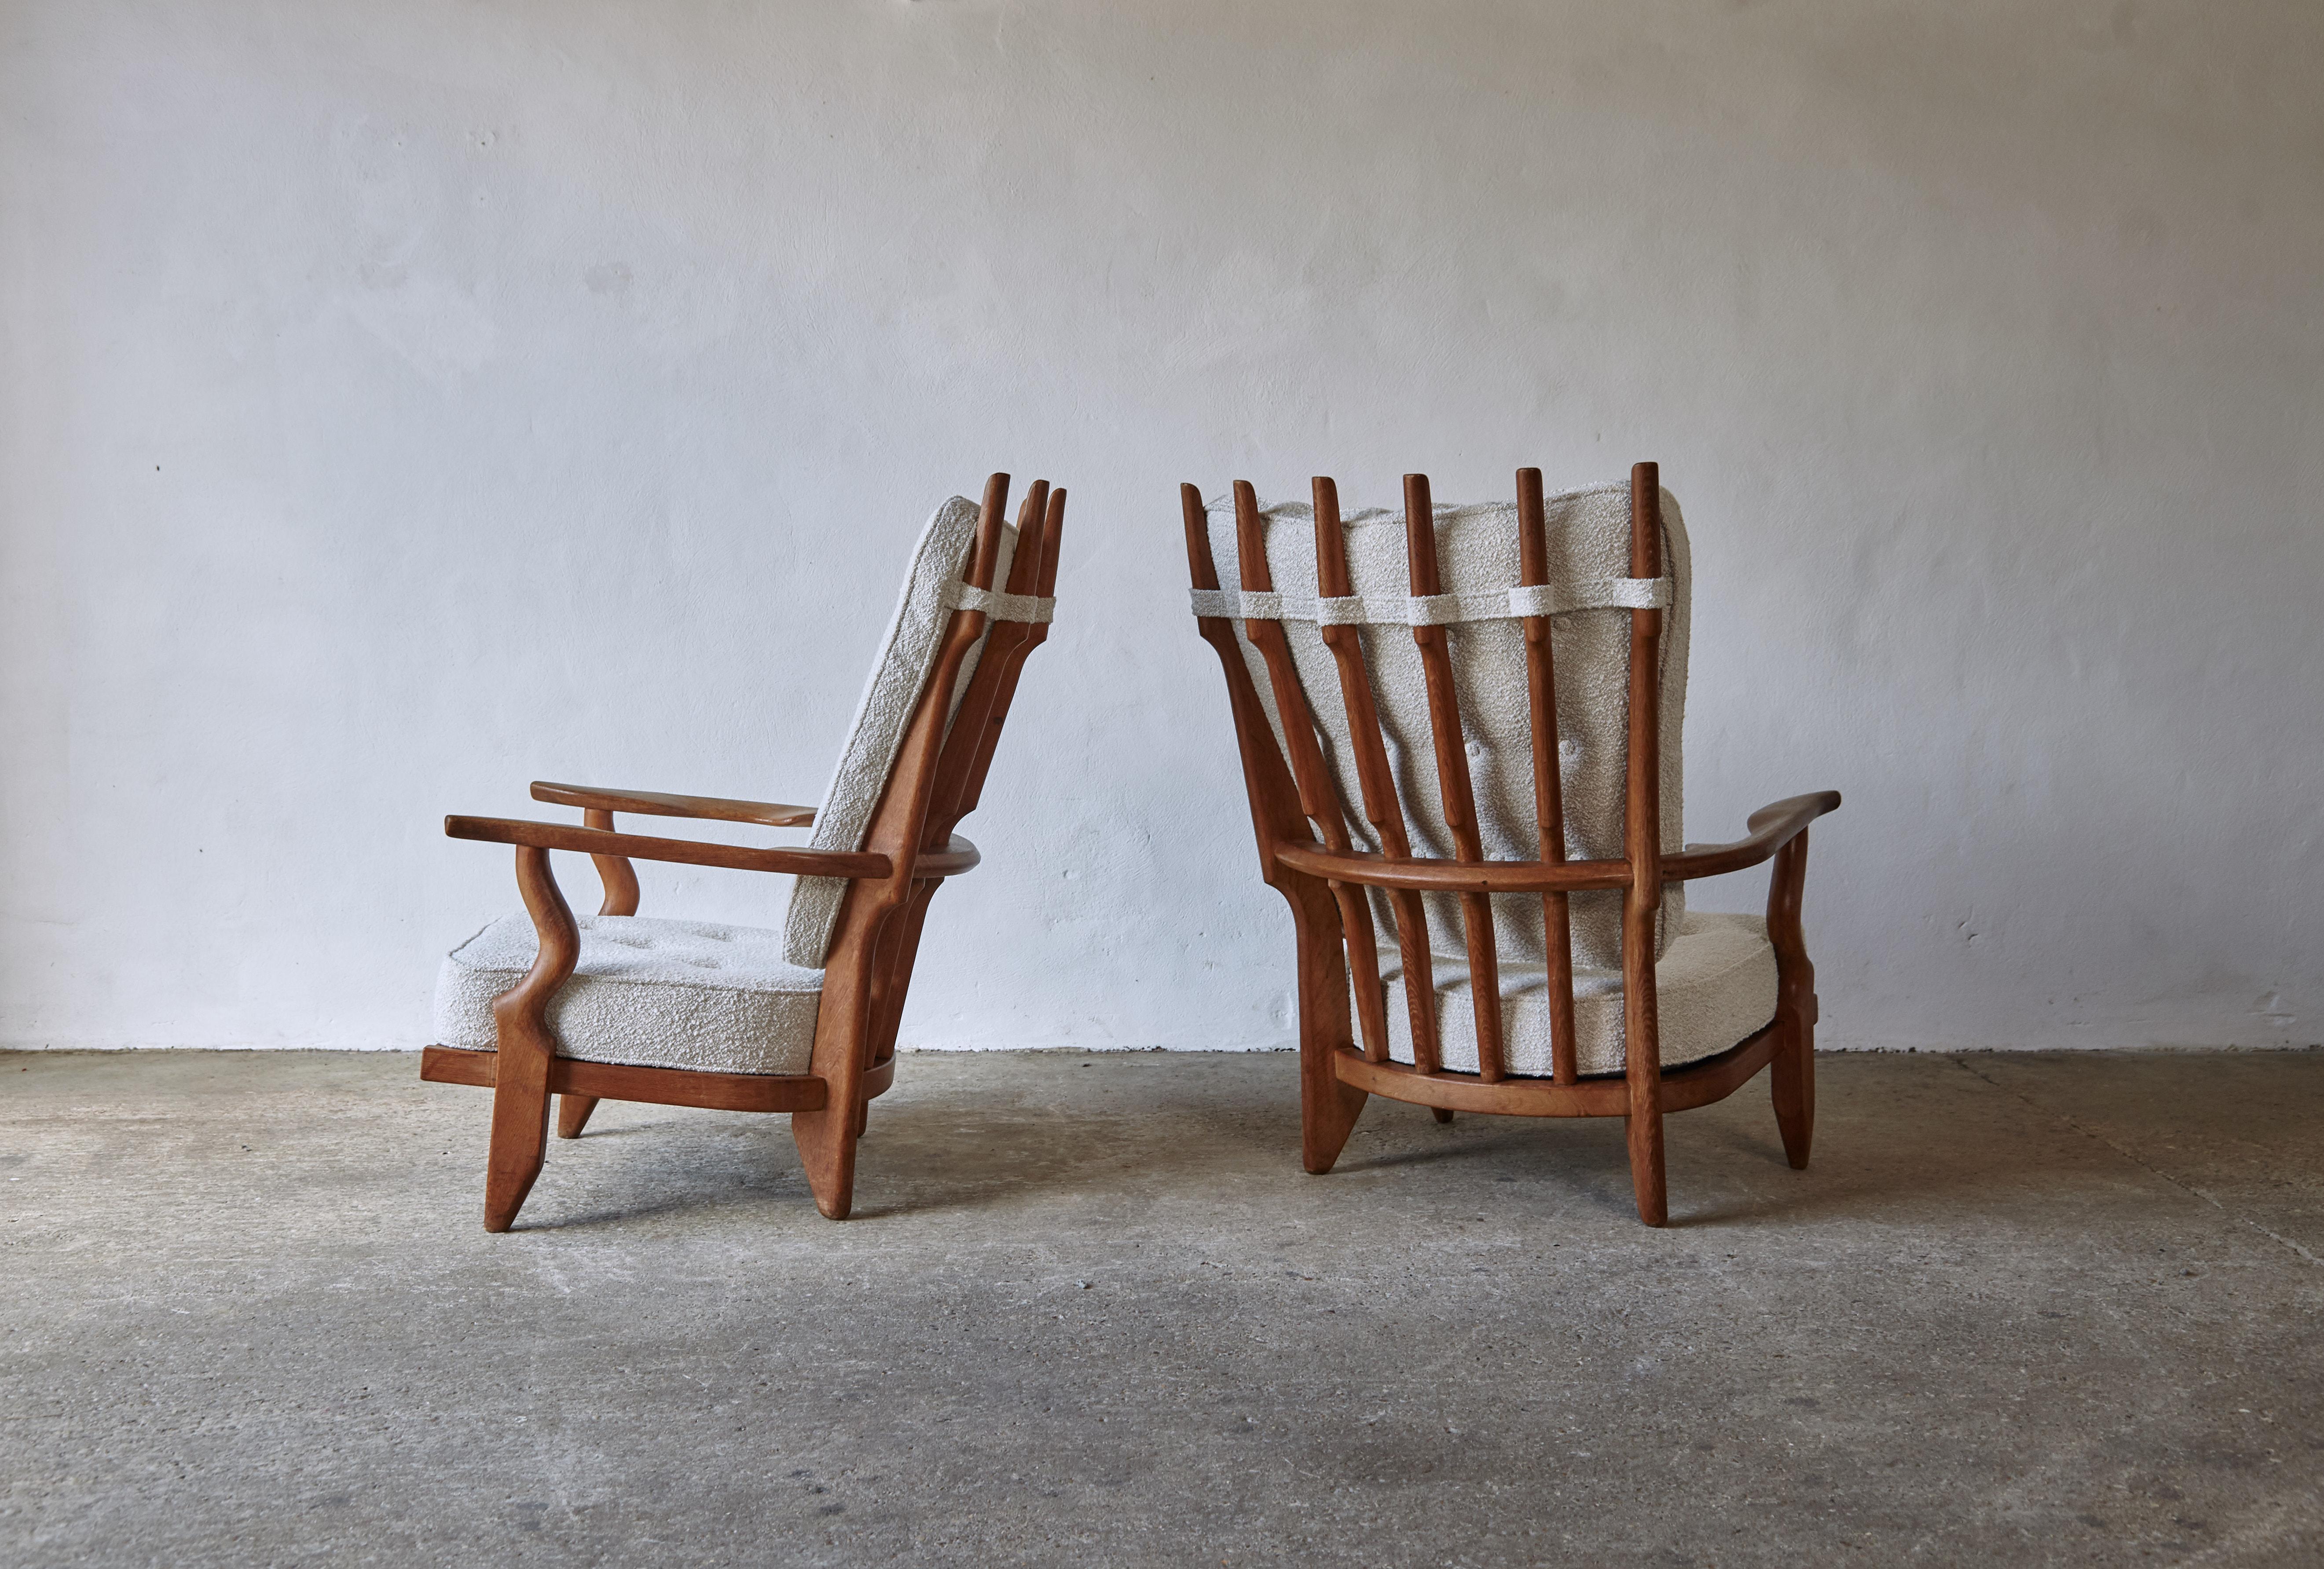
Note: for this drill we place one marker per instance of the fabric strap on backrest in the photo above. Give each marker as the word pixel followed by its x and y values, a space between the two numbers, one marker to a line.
pixel 1603 593
pixel 1035 609
pixel 1588 535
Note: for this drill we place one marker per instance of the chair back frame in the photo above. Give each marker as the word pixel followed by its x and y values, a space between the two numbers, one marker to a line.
pixel 1307 854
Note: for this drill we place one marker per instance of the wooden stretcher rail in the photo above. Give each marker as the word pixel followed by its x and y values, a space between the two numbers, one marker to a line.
pixel 1684 1088
pixel 752 1092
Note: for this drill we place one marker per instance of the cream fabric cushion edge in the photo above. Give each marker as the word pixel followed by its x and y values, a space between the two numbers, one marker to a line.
pixel 907 653
pixel 1714 988
pixel 696 994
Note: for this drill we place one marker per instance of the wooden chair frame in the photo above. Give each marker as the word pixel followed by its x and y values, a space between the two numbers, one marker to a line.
pixel 908 850
pixel 1307 854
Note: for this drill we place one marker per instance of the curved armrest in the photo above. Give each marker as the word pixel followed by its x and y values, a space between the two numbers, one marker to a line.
pixel 1772 827
pixel 600 842
pixel 1442 877
pixel 957 856
pixel 653 803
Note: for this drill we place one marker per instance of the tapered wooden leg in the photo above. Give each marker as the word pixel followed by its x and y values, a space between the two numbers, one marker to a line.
pixel 519 1141
pixel 573 1114
pixel 1328 1108
pixel 826 1135
pixel 1442 1114
pixel 862 1118
pixel 1647 1166
pixel 1792 1072
pixel 826 1146
pixel 527 1046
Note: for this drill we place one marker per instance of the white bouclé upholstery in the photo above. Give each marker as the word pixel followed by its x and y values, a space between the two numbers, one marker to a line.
pixel 738 999
pixel 906 654
pixel 1713 985
pixel 1714 975
pixel 660 994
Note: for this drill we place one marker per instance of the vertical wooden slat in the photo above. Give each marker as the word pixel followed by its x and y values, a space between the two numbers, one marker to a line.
pixel 1328 1108
pixel 1043 584
pixel 1377 783
pixel 1642 847
pixel 1548 781
pixel 1317 797
pixel 1452 778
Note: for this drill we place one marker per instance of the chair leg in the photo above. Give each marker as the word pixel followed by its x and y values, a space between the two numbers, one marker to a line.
pixel 1794 1081
pixel 527 1045
pixel 827 1145
pixel 1328 1109
pixel 519 1141
pixel 1442 1114
pixel 573 1114
pixel 1647 1177
pixel 1792 1078
pixel 862 1118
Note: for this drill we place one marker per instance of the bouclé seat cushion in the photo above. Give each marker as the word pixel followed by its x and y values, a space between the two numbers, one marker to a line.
pixel 656 994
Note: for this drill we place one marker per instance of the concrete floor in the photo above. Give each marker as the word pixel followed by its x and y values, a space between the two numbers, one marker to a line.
pixel 2023 1309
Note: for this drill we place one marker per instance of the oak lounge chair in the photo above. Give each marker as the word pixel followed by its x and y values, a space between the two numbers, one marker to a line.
pixel 1482 708
pixel 803 1020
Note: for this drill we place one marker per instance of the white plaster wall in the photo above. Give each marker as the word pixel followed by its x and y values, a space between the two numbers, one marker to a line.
pixel 406 401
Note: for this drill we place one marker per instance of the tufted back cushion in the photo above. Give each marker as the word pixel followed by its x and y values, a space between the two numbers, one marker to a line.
pixel 906 655
pixel 1477 555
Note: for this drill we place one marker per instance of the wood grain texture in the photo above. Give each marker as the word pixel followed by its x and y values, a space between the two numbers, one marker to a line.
pixel 1548 778
pixel 1642 847
pixel 1328 1109
pixel 1383 809
pixel 526 1048
pixel 654 803
pixel 804 863
pixel 1698 1084
pixel 1319 796
pixel 1453 787
pixel 1793 1081
pixel 688 1086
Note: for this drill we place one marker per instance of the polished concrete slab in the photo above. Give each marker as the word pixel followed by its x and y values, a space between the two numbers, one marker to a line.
pixel 2038 1309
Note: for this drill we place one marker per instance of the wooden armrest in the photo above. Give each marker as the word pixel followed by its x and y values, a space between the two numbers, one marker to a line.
pixel 599 841
pixel 653 803
pixel 957 856
pixel 1442 877
pixel 1772 827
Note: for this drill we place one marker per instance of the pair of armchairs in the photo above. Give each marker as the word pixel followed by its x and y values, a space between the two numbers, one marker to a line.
pixel 1466 721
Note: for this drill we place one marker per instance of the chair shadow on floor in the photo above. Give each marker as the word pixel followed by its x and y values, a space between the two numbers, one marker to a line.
pixel 1185 1135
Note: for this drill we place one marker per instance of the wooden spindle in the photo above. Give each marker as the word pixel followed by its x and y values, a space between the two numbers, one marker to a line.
pixel 1548 779
pixel 1377 781
pixel 1642 847
pixel 1317 797
pixel 1452 779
